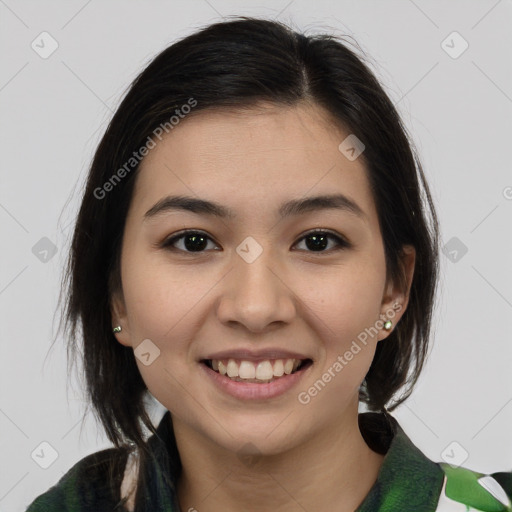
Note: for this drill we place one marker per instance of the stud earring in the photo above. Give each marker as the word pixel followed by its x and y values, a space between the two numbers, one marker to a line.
pixel 116 329
pixel 388 325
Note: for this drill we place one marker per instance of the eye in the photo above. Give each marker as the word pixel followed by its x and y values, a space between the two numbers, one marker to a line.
pixel 197 241
pixel 317 241
pixel 193 241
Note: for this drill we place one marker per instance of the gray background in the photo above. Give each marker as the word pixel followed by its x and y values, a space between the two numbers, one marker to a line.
pixel 55 109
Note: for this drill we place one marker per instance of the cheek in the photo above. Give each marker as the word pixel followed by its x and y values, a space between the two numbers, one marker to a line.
pixel 166 306
pixel 162 307
pixel 161 298
pixel 345 302
pixel 345 310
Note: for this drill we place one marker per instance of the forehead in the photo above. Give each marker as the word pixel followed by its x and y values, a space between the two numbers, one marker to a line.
pixel 252 158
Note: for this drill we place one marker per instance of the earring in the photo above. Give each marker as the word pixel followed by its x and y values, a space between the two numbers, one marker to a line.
pixel 116 329
pixel 388 325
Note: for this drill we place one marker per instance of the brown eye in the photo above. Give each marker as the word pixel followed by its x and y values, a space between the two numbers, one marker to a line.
pixel 318 241
pixel 192 241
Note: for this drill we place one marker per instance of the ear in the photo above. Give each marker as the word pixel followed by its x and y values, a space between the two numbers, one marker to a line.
pixel 396 294
pixel 120 317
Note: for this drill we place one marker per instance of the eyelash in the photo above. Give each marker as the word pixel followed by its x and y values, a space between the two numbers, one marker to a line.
pixel 341 242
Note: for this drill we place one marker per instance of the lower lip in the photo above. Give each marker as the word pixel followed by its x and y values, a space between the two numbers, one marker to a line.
pixel 253 390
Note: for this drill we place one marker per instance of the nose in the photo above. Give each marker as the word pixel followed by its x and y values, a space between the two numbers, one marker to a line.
pixel 256 294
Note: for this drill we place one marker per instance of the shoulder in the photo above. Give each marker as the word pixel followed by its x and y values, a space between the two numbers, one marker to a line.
pixel 408 476
pixel 475 491
pixel 87 485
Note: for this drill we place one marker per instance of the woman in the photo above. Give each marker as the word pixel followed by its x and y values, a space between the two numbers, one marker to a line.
pixel 257 249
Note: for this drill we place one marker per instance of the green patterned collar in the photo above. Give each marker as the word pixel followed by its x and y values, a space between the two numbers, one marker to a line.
pixel 407 479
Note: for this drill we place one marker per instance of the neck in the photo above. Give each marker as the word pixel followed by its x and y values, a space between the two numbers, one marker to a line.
pixel 334 466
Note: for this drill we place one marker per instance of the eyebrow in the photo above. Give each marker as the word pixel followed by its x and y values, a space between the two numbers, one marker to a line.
pixel 290 208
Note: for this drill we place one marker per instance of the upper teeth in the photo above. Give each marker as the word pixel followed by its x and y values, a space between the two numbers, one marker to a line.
pixel 261 370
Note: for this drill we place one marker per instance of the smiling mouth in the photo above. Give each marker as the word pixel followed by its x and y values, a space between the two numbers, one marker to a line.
pixel 261 372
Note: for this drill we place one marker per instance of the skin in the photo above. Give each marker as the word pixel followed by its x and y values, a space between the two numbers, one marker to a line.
pixel 299 457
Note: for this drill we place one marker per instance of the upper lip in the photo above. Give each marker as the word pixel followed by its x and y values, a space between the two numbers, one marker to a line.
pixel 256 355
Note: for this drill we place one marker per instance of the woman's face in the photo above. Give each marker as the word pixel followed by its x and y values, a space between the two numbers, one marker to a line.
pixel 259 286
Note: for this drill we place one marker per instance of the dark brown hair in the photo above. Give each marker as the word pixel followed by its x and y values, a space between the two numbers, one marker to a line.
pixel 237 64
